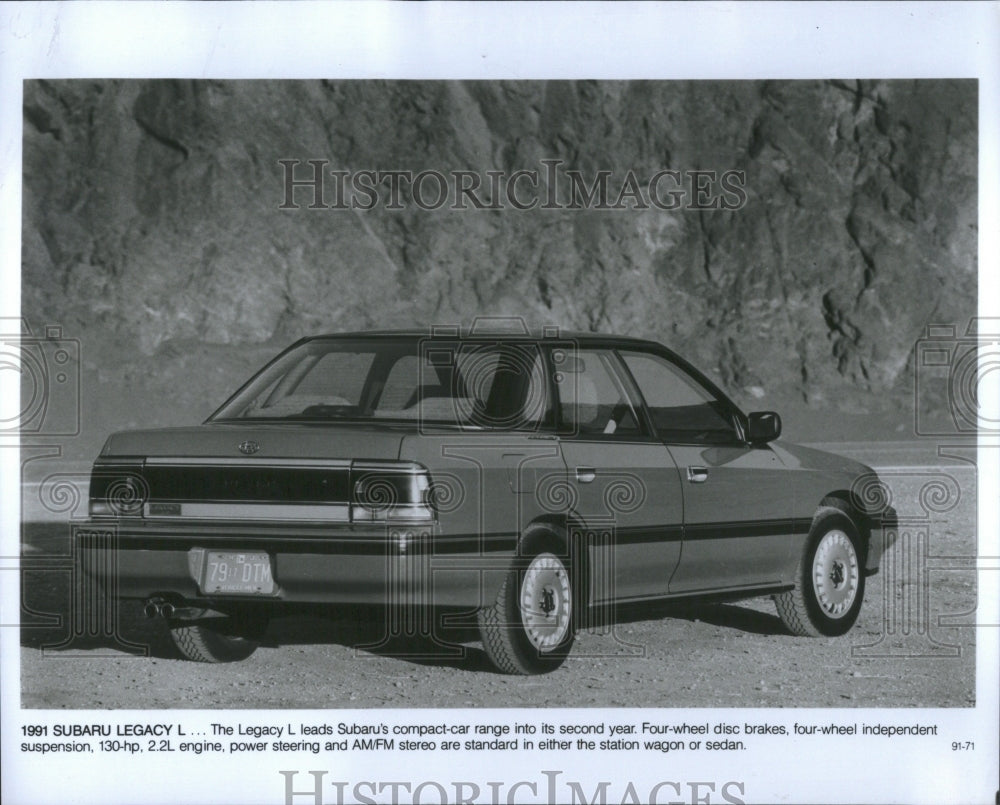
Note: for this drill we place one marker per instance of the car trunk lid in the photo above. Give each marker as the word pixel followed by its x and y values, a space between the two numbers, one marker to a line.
pixel 296 472
pixel 259 442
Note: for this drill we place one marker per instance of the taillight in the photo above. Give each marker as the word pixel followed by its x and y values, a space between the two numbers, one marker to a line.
pixel 390 492
pixel 117 489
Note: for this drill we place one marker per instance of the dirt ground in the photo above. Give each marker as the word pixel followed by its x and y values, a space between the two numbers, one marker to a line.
pixel 900 654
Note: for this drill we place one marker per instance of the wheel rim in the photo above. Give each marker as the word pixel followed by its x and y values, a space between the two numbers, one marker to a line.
pixel 546 603
pixel 835 574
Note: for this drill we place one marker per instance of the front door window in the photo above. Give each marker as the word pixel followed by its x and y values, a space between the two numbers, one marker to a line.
pixel 683 411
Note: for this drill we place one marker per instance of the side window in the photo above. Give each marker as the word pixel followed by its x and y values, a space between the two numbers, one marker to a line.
pixel 680 407
pixel 592 401
pixel 488 385
pixel 505 384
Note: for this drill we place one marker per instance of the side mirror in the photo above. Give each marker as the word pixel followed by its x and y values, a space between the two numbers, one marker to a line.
pixel 764 427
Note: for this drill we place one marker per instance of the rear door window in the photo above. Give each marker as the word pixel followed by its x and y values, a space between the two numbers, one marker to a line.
pixel 592 399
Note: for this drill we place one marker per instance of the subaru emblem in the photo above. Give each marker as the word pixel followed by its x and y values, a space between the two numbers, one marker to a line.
pixel 249 447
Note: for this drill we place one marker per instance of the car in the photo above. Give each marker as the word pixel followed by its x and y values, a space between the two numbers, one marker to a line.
pixel 535 480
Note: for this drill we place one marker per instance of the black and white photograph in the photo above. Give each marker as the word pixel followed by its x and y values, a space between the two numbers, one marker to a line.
pixel 385 433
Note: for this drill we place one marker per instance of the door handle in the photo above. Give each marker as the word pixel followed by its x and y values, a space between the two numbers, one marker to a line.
pixel 697 475
pixel 585 475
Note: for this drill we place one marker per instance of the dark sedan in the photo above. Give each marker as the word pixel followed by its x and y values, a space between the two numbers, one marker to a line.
pixel 536 480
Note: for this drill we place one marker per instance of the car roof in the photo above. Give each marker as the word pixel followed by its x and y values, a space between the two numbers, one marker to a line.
pixel 451 333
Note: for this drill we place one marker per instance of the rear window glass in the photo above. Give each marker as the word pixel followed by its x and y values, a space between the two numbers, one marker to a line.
pixel 480 385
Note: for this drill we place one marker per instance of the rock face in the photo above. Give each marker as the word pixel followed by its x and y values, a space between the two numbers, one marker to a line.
pixel 153 229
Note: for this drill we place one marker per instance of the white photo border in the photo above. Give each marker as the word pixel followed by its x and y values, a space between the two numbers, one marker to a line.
pixel 522 41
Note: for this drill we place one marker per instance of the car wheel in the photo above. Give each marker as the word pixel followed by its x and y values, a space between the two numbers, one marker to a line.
pixel 228 639
pixel 830 586
pixel 529 629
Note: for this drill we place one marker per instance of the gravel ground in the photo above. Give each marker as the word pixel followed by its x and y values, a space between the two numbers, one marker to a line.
pixel 720 655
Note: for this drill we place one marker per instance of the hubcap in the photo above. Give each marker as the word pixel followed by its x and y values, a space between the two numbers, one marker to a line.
pixel 546 604
pixel 836 573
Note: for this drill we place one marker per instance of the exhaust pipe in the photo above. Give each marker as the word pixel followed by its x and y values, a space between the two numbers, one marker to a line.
pixel 158 608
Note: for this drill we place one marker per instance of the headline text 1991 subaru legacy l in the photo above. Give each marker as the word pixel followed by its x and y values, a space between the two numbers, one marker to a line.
pixel 538 480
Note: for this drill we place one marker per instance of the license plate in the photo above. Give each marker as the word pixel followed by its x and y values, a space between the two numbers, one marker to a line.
pixel 240 573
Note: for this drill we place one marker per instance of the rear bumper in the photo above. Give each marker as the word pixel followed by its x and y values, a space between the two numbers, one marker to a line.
pixel 350 565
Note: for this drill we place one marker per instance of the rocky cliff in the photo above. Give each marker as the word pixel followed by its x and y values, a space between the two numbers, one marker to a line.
pixel 153 227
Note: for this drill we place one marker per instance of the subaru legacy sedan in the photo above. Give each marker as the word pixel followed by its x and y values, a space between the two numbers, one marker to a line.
pixel 537 481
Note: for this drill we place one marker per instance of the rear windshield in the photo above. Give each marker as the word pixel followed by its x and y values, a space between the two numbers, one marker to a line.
pixel 470 384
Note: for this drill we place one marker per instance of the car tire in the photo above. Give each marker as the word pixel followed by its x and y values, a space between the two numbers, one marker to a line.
pixel 217 639
pixel 530 627
pixel 830 584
